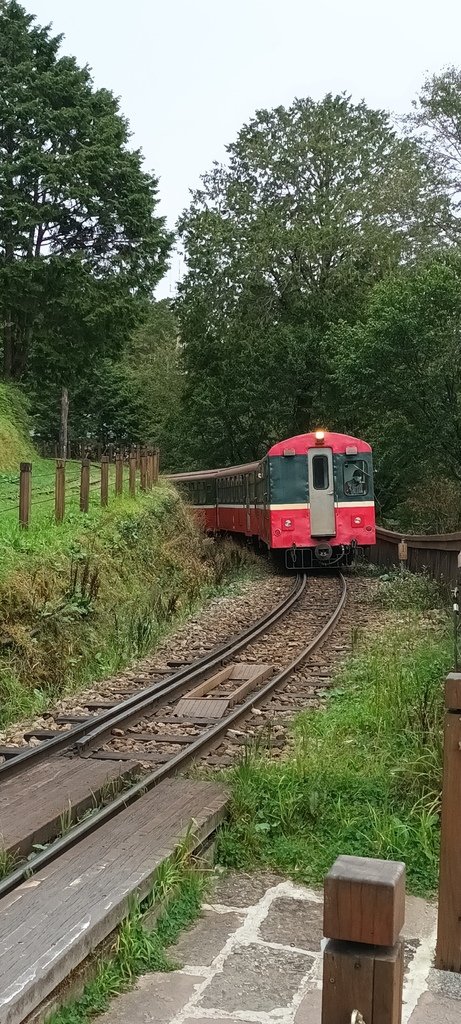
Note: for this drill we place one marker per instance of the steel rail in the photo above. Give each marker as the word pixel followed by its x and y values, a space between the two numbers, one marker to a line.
pixel 199 746
pixel 107 720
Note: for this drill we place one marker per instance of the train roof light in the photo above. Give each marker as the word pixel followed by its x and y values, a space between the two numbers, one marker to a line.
pixel 289 451
pixel 319 436
pixel 351 449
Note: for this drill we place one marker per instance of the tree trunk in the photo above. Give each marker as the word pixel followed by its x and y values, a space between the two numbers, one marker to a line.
pixel 8 348
pixel 63 426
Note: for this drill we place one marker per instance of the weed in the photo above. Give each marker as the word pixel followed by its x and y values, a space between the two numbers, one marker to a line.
pixel 409 591
pixel 8 862
pixel 365 775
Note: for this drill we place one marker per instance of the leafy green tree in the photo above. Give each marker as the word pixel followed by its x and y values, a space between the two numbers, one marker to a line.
pixel 400 371
pixel 315 204
pixel 137 398
pixel 437 120
pixel 78 228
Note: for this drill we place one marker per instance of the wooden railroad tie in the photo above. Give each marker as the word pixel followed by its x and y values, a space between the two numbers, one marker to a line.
pixel 201 701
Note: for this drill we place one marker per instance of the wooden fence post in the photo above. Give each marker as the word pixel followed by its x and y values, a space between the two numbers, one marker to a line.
pixel 143 470
pixel 156 464
pixel 403 554
pixel 138 456
pixel 60 491
pixel 132 476
pixel 104 480
pixel 364 909
pixel 150 469
pixel 118 474
pixel 85 485
pixel 448 949
pixel 25 480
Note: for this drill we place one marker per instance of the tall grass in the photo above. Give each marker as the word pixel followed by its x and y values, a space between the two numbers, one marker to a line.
pixel 365 775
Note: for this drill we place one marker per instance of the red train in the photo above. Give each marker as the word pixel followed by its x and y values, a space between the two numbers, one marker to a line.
pixel 311 497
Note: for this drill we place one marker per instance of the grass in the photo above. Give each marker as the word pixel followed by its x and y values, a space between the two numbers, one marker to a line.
pixel 365 775
pixel 79 601
pixel 179 889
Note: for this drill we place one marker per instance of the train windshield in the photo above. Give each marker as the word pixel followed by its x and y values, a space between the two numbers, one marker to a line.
pixel 320 472
pixel 356 477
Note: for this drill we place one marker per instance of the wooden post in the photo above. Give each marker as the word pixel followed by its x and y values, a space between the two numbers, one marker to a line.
pixel 364 912
pixel 25 482
pixel 448 949
pixel 85 485
pixel 132 477
pixel 138 456
pixel 144 470
pixel 60 491
pixel 118 474
pixel 156 464
pixel 403 554
pixel 149 469
pixel 104 480
pixel 63 423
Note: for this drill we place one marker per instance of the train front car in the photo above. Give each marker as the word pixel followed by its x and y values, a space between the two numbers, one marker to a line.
pixel 320 491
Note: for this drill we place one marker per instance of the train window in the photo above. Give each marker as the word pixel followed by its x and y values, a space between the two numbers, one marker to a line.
pixel 320 472
pixel 356 477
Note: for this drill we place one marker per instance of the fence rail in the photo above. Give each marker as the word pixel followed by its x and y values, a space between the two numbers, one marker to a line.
pixel 438 552
pixel 76 481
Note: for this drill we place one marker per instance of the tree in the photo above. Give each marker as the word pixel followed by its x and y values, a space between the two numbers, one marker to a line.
pixel 437 121
pixel 316 203
pixel 77 211
pixel 400 373
pixel 137 398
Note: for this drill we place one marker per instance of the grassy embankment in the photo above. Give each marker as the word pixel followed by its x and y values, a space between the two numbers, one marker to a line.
pixel 80 600
pixel 365 775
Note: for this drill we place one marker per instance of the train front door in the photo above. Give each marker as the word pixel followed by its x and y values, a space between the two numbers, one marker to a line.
pixel 321 492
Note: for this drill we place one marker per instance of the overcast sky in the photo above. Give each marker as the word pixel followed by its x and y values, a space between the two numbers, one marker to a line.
pixel 189 73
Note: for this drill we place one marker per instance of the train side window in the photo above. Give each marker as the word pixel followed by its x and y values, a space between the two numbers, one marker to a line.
pixel 356 477
pixel 320 472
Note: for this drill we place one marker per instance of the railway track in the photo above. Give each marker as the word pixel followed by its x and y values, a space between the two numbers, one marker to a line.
pixel 180 718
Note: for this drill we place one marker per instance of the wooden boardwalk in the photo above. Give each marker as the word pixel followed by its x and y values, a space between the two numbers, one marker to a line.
pixel 54 919
pixel 33 803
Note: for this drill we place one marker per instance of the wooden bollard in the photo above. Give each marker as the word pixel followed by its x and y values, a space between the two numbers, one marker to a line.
pixel 364 912
pixel 25 487
pixel 132 476
pixel 150 469
pixel 104 480
pixel 118 474
pixel 156 464
pixel 60 491
pixel 448 949
pixel 85 485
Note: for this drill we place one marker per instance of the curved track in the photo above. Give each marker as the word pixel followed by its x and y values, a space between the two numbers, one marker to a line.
pixel 86 736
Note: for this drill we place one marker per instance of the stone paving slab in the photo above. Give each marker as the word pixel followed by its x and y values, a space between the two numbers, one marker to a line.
pixel 255 957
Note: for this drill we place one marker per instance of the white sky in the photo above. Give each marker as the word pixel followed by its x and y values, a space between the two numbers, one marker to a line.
pixel 189 73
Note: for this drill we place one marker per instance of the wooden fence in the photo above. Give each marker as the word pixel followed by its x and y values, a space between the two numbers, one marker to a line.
pixel 438 553
pixel 130 471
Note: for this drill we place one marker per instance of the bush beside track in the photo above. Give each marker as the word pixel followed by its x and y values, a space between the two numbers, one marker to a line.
pixel 80 600
pixel 365 775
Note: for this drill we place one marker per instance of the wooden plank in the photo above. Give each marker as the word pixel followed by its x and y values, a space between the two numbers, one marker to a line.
pixel 162 737
pixel 388 985
pixel 46 791
pixel 127 755
pixel 448 949
pixel 364 900
pixel 261 672
pixel 211 683
pixel 51 923
pixel 453 692
pixel 8 752
pixel 347 983
pixel 212 707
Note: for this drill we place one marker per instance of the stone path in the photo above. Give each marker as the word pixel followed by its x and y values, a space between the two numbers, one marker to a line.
pixel 254 957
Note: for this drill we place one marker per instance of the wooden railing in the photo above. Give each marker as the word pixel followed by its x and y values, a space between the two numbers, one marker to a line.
pixel 438 552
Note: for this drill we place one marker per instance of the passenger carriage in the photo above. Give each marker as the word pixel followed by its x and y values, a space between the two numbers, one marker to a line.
pixel 310 497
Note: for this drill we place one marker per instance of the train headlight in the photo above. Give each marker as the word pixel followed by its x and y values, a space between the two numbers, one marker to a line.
pixel 319 436
pixel 357 520
pixel 287 524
